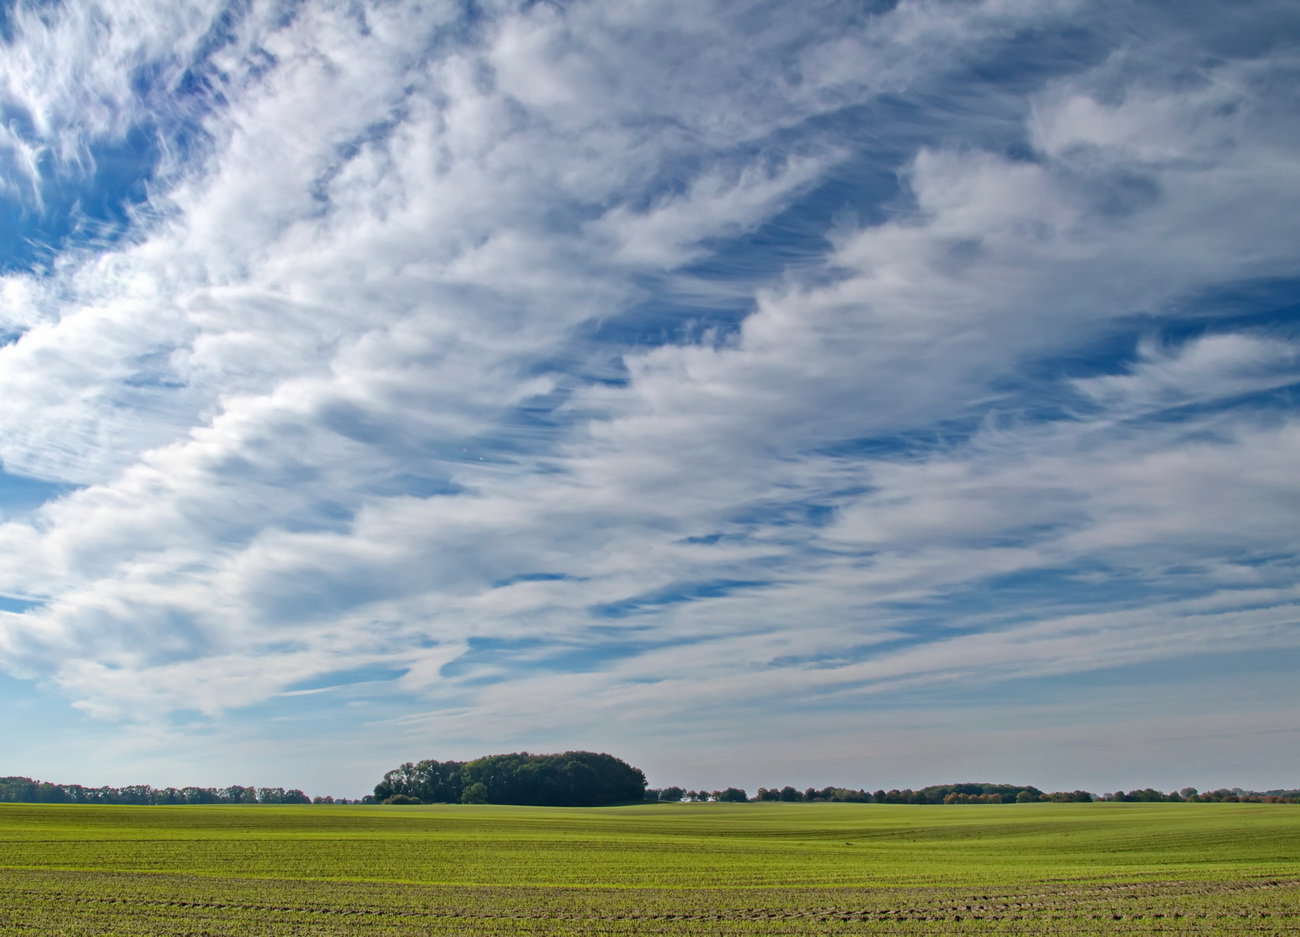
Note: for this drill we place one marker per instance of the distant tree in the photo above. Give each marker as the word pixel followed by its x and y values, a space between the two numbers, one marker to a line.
pixel 1145 795
pixel 18 790
pixel 568 779
pixel 732 795
pixel 48 793
pixel 140 794
pixel 976 793
pixel 672 794
pixel 237 794
pixel 851 796
pixel 433 782
pixel 1067 797
pixel 77 794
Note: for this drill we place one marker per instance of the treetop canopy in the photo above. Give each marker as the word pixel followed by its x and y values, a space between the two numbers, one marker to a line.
pixel 568 779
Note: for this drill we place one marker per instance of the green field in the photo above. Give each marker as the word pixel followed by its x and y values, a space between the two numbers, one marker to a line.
pixel 718 869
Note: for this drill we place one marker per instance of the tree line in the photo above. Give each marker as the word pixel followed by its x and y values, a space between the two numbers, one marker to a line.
pixel 16 790
pixel 974 793
pixel 578 779
pixel 1222 795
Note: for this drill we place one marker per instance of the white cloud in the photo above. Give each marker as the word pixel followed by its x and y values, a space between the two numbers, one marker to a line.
pixel 337 390
pixel 73 76
pixel 1214 366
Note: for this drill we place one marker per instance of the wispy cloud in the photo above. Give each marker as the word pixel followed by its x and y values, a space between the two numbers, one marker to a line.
pixel 565 365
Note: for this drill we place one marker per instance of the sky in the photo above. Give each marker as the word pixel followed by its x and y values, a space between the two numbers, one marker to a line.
pixel 875 394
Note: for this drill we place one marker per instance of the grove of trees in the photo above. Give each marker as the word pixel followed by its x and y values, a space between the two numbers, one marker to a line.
pixel 569 779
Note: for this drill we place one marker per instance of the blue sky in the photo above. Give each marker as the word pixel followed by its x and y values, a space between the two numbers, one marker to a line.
pixel 824 393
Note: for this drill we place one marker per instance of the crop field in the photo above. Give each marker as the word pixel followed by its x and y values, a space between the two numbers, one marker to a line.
pixel 708 869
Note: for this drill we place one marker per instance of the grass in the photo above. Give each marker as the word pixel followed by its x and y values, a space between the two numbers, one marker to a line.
pixel 668 869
